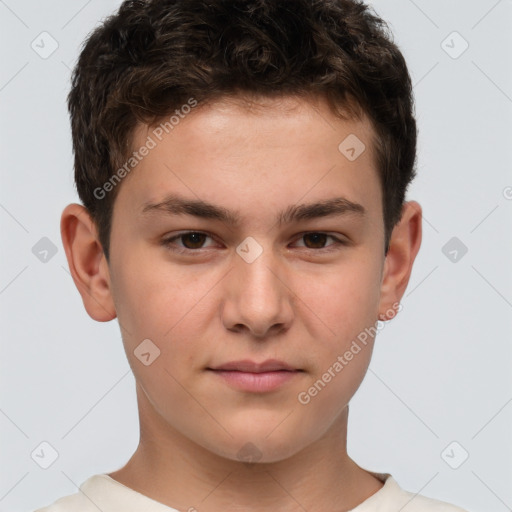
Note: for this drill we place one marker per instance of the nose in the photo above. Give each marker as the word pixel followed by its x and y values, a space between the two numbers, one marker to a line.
pixel 257 299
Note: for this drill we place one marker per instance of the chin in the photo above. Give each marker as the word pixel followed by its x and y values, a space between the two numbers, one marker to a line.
pixel 254 447
pixel 262 435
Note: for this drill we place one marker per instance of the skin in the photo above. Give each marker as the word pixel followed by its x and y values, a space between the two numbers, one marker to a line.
pixel 296 302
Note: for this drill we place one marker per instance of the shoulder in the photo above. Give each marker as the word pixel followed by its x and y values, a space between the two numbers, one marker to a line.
pixel 392 497
pixel 103 493
pixel 74 502
pixel 419 503
pixel 81 501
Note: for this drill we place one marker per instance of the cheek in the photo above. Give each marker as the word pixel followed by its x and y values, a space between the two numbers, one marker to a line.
pixel 342 302
pixel 330 391
pixel 151 297
pixel 166 305
pixel 347 305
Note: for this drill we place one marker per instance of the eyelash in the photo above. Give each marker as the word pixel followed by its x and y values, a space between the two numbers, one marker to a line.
pixel 169 241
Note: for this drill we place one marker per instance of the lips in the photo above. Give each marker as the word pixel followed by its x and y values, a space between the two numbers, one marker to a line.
pixel 270 365
pixel 253 377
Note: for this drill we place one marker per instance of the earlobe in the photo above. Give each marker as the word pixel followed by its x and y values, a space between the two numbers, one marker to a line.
pixel 404 246
pixel 87 262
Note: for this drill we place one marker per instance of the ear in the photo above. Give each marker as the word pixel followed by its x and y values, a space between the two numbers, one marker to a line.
pixel 87 262
pixel 403 247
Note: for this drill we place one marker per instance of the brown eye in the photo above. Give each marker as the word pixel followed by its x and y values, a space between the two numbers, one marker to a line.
pixel 193 240
pixel 317 240
pixel 187 241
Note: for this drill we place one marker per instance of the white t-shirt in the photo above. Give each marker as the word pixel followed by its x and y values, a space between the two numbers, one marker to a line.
pixel 101 492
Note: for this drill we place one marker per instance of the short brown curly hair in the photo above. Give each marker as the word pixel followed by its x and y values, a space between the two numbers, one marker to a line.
pixel 151 57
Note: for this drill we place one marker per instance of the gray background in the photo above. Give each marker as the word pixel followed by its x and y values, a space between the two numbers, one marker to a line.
pixel 440 371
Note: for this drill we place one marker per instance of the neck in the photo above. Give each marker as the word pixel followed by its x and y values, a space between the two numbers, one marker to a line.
pixel 171 469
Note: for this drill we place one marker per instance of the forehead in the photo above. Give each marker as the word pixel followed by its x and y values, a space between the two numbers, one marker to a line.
pixel 241 153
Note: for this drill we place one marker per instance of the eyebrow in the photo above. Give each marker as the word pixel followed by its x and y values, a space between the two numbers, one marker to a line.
pixel 177 205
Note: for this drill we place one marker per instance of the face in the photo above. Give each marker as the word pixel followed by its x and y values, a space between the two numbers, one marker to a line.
pixel 249 249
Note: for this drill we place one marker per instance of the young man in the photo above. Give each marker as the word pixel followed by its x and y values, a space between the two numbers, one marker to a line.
pixel 243 167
